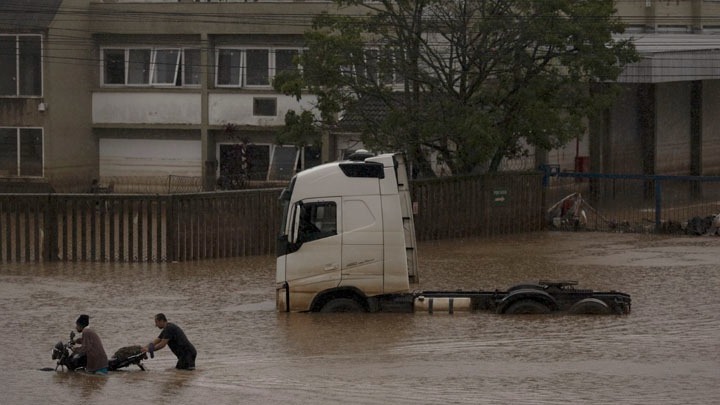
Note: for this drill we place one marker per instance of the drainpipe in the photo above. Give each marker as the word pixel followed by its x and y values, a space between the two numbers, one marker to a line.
pixel 207 154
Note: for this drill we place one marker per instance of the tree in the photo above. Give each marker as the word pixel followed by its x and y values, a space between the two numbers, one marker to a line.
pixel 469 82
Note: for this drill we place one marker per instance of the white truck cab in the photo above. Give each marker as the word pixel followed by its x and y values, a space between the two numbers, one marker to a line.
pixel 346 233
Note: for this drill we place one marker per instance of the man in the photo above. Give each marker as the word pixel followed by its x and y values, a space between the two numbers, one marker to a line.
pixel 91 345
pixel 174 337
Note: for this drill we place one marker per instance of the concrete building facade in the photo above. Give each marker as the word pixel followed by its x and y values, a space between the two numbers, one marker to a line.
pixel 122 89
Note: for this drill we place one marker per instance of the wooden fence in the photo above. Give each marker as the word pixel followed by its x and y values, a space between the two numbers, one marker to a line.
pixel 181 227
pixel 458 207
pixel 137 228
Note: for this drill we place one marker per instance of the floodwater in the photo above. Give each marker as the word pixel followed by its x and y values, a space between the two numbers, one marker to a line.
pixel 667 351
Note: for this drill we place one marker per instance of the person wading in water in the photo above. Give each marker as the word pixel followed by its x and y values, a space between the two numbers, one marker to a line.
pixel 174 337
pixel 91 345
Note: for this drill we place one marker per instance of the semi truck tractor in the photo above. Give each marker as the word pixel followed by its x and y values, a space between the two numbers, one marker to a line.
pixel 347 244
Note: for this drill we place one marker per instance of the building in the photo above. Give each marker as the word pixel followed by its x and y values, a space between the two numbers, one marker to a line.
pixel 664 121
pixel 153 92
pixel 143 91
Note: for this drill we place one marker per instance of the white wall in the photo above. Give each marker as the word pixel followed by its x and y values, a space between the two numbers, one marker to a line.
pixel 227 108
pixel 186 108
pixel 149 157
pixel 146 108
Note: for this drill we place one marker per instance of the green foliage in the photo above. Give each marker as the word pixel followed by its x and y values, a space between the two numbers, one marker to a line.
pixel 467 82
pixel 300 130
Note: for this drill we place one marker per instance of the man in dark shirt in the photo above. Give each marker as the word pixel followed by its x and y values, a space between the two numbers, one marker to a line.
pixel 174 337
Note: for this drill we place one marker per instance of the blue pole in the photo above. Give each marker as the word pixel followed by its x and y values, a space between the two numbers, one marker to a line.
pixel 658 204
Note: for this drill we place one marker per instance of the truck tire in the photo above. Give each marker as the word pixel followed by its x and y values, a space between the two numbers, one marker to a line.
pixel 342 305
pixel 590 306
pixel 527 306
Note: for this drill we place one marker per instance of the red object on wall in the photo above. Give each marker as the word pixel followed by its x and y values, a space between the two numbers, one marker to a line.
pixel 582 164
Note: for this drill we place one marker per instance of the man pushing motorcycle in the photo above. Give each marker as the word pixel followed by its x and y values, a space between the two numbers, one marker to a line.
pixel 91 345
pixel 174 337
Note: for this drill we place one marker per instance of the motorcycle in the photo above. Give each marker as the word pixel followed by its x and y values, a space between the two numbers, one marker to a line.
pixel 66 356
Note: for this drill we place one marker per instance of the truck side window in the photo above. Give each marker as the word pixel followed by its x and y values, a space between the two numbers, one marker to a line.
pixel 317 220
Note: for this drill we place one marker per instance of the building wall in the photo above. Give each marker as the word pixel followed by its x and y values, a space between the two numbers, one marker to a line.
pixel 669 16
pixel 146 108
pixel 237 108
pixel 63 109
pixel 216 115
pixel 71 150
pixel 711 128
pixel 85 122
pixel 149 157
pixel 624 133
pixel 672 142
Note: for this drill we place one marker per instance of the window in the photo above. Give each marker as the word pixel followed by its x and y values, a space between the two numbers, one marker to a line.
pixel 377 67
pixel 167 63
pixel 285 60
pixel 191 67
pixel 20 65
pixel 317 220
pixel 371 65
pixel 138 66
pixel 252 67
pixel 265 106
pixel 258 67
pixel 228 67
pixel 283 162
pixel 21 152
pixel 241 162
pixel 114 66
pixel 151 66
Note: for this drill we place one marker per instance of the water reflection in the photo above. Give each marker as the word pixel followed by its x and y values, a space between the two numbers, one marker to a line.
pixel 666 351
pixel 84 386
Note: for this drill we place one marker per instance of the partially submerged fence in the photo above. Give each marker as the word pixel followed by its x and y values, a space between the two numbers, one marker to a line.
pixel 131 228
pixel 630 203
pixel 178 227
pixel 457 207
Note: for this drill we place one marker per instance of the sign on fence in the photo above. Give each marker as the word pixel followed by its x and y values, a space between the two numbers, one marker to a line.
pixel 500 196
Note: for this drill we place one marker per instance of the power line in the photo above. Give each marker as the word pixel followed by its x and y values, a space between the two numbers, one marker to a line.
pixel 82 40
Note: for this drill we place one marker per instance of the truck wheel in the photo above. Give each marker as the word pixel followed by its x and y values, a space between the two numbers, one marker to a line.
pixel 342 305
pixel 590 306
pixel 527 307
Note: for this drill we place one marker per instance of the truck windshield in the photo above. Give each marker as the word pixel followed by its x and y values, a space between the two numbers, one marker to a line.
pixel 285 197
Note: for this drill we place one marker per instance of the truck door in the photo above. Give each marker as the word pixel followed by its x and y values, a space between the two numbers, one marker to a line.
pixel 312 263
pixel 362 254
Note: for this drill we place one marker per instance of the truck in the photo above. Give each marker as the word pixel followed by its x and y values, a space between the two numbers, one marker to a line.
pixel 347 244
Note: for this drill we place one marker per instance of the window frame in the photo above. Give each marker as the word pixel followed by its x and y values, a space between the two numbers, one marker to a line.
pixel 242 79
pixel 316 219
pixel 18 151
pixel 370 71
pixel 18 67
pixel 179 75
pixel 154 72
pixel 260 102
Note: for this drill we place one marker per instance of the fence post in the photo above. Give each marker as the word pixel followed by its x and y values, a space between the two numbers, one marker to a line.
pixel 171 230
pixel 50 230
pixel 658 204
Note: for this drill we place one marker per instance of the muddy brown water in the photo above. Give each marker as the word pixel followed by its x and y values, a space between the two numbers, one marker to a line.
pixel 667 351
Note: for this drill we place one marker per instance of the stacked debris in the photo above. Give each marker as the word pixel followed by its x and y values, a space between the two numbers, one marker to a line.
pixel 709 225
